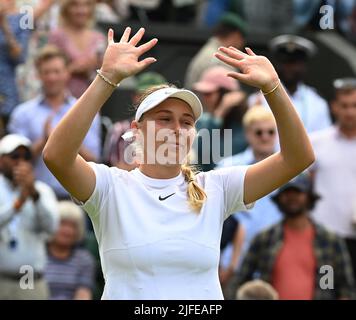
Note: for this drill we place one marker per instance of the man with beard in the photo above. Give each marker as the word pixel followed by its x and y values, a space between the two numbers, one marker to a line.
pixel 298 257
pixel 291 54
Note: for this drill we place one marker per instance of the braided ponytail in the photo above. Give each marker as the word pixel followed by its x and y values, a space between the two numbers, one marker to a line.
pixel 196 195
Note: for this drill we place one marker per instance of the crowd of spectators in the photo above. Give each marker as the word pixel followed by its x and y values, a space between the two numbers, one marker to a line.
pixel 275 250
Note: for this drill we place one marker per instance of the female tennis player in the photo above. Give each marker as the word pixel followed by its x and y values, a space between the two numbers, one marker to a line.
pixel 159 226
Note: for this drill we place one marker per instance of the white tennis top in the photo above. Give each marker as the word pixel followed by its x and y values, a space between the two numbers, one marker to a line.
pixel 161 249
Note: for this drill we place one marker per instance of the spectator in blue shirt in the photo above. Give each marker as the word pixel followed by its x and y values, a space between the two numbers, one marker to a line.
pixel 36 118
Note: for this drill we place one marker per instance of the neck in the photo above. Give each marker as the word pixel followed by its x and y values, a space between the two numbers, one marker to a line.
pixel 75 28
pixel 292 88
pixel 58 251
pixel 261 155
pixel 55 101
pixel 348 132
pixel 299 223
pixel 159 171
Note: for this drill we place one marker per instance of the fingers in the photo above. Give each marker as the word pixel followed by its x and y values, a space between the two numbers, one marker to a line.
pixel 146 62
pixel 147 46
pixel 110 36
pixel 126 35
pixel 137 37
pixel 238 76
pixel 250 52
pixel 233 52
pixel 228 60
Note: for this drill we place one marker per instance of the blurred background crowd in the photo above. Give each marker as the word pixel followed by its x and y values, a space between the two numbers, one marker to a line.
pixel 297 243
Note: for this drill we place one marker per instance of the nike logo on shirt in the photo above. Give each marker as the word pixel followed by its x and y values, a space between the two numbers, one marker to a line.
pixel 164 198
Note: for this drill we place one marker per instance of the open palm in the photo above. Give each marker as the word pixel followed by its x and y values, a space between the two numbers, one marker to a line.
pixel 121 59
pixel 255 70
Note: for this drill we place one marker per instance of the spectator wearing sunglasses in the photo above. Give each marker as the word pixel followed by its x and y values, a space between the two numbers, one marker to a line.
pixel 335 167
pixel 261 134
pixel 28 215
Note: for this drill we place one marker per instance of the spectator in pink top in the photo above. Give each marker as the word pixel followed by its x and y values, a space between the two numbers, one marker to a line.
pixel 82 44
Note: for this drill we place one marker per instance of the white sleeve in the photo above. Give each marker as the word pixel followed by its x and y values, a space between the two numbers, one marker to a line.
pixel 232 179
pixel 101 191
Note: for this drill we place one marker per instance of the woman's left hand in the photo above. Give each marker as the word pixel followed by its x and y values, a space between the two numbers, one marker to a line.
pixel 256 71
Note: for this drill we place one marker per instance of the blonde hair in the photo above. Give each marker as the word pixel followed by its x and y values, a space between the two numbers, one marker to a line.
pixel 196 194
pixel 255 114
pixel 256 290
pixel 49 52
pixel 69 211
pixel 64 7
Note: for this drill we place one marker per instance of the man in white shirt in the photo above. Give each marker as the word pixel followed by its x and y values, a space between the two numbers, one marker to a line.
pixel 28 215
pixel 335 167
pixel 291 54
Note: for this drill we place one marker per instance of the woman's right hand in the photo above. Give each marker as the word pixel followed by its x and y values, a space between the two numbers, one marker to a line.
pixel 121 58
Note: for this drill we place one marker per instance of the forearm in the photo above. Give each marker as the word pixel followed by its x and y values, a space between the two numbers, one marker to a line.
pixel 295 146
pixel 65 141
pixel 14 48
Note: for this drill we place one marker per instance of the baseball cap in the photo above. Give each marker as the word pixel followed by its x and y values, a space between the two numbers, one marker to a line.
pixel 344 83
pixel 215 78
pixel 292 47
pixel 149 79
pixel 158 96
pixel 302 182
pixel 11 142
pixel 235 21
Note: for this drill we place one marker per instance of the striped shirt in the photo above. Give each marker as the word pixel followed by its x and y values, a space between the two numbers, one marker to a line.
pixel 64 277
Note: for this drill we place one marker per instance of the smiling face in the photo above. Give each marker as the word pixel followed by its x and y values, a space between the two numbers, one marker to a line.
pixel 168 131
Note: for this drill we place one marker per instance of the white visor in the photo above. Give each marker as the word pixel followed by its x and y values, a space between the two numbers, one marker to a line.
pixel 160 95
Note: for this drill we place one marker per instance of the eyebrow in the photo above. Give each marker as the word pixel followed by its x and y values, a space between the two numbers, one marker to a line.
pixel 170 112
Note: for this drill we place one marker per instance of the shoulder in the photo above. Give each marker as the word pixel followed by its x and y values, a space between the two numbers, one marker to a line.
pixel 312 93
pixel 42 187
pixel 325 235
pixel 26 107
pixel 83 256
pixel 323 135
pixel 240 159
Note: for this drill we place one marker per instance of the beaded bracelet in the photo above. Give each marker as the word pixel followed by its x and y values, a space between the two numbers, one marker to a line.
pixel 98 71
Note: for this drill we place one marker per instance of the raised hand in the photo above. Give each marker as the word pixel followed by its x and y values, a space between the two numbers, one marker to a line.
pixel 121 59
pixel 256 71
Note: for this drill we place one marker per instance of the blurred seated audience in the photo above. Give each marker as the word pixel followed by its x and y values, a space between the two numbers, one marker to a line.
pixel 291 54
pixel 28 216
pixel 231 30
pixel 36 118
pixel 70 270
pixel 334 170
pixel 224 106
pixel 298 257
pixel 83 45
pixel 261 133
pixel 256 290
pixel 13 50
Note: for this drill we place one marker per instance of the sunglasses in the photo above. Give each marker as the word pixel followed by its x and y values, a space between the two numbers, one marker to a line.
pixel 16 155
pixel 260 132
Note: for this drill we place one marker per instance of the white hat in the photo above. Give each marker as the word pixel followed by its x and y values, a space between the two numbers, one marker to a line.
pixel 11 142
pixel 160 95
